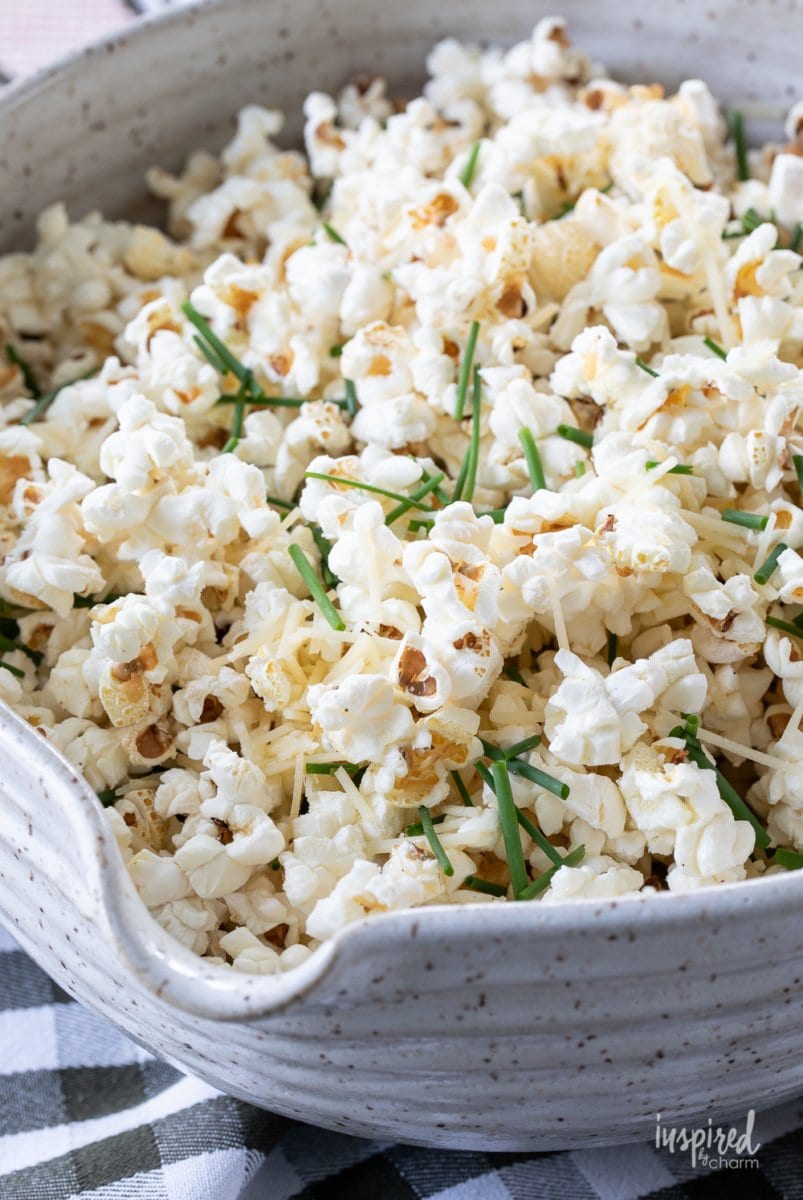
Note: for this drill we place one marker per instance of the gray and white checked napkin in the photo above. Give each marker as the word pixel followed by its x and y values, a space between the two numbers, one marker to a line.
pixel 85 1113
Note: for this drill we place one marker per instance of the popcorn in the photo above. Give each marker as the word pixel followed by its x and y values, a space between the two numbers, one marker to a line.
pixel 263 737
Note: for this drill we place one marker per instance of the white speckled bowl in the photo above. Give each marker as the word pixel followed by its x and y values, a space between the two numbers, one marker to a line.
pixel 502 1026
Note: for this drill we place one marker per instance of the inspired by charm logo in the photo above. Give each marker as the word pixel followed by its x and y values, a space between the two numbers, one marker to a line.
pixel 716 1147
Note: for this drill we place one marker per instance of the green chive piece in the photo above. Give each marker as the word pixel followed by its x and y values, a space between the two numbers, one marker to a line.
pixel 108 797
pixel 515 674
pixel 210 355
pixel 430 485
pixel 798 621
pixel 277 503
pixel 751 220
pixel 324 548
pixel 714 347
pixel 748 520
pixel 425 523
pixel 579 436
pixel 219 348
pixel 275 865
pixel 484 885
pixel 543 881
pixel 731 797
pixel 417 830
pixel 485 775
pixel 434 840
pixel 497 515
pixel 465 370
pixel 789 859
pixel 767 568
pixel 533 459
pixel 491 751
pixel 510 828
pixel 366 487
pixel 91 601
pixel 797 459
pixel 467 174
pixel 336 350
pixel 457 780
pixel 329 768
pixel 793 630
pixel 272 401
pixel 333 235
pixel 691 723
pixel 307 573
pixel 579 468
pixel 352 404
pixel 47 398
pixel 26 370
pixel 548 782
pixel 641 363
pixel 797 237
pixel 9 645
pixel 680 469
pixel 535 833
pixel 729 234
pixel 239 413
pixel 473 452
pixel 12 670
pixel 736 124
pixel 613 647
pixel 519 748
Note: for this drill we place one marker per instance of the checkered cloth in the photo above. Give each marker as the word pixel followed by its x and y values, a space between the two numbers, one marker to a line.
pixel 84 1112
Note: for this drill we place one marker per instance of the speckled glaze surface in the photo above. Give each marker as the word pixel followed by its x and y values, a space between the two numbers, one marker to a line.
pixel 496 1027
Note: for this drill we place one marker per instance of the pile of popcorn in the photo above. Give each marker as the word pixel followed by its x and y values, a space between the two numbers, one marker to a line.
pixel 275 767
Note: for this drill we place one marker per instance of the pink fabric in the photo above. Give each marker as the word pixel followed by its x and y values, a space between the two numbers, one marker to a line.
pixel 34 33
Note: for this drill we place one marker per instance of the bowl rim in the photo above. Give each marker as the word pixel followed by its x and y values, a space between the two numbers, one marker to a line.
pixel 173 973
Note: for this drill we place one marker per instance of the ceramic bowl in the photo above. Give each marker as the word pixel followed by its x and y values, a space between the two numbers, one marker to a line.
pixel 504 1026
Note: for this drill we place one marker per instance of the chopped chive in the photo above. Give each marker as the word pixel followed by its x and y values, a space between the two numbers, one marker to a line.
pixel 352 404
pixel 510 827
pixel 791 628
pixel 543 881
pixel 798 621
pixel 467 174
pixel 714 347
pixel 457 780
pixel 729 234
pixel 788 858
pixel 641 363
pixel 271 401
pixel 540 840
pixel 320 199
pixel 464 490
pixel 465 370
pixel 336 350
pixel 515 674
pixel 307 573
pixel 491 751
pixel 47 398
pixel 579 436
pixel 767 568
pixel 417 830
pixel 239 413
pixel 210 355
pixel 691 722
pixel 219 348
pixel 277 503
pixel 329 768
pixel 484 885
pixel 797 459
pixel 430 485
pixel 485 775
pixel 91 601
pixel 12 670
pixel 275 865
pixel 333 235
pixel 414 526
pixel 736 124
pixel 434 840
pixel 613 646
pixel 25 369
pixel 748 520
pixel 108 797
pixel 497 515
pixel 731 797
pixel 548 782
pixel 519 748
pixel 797 237
pixel 533 459
pixel 579 468
pixel 366 487
pixel 324 548
pixel 751 220
pixel 9 645
pixel 680 469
